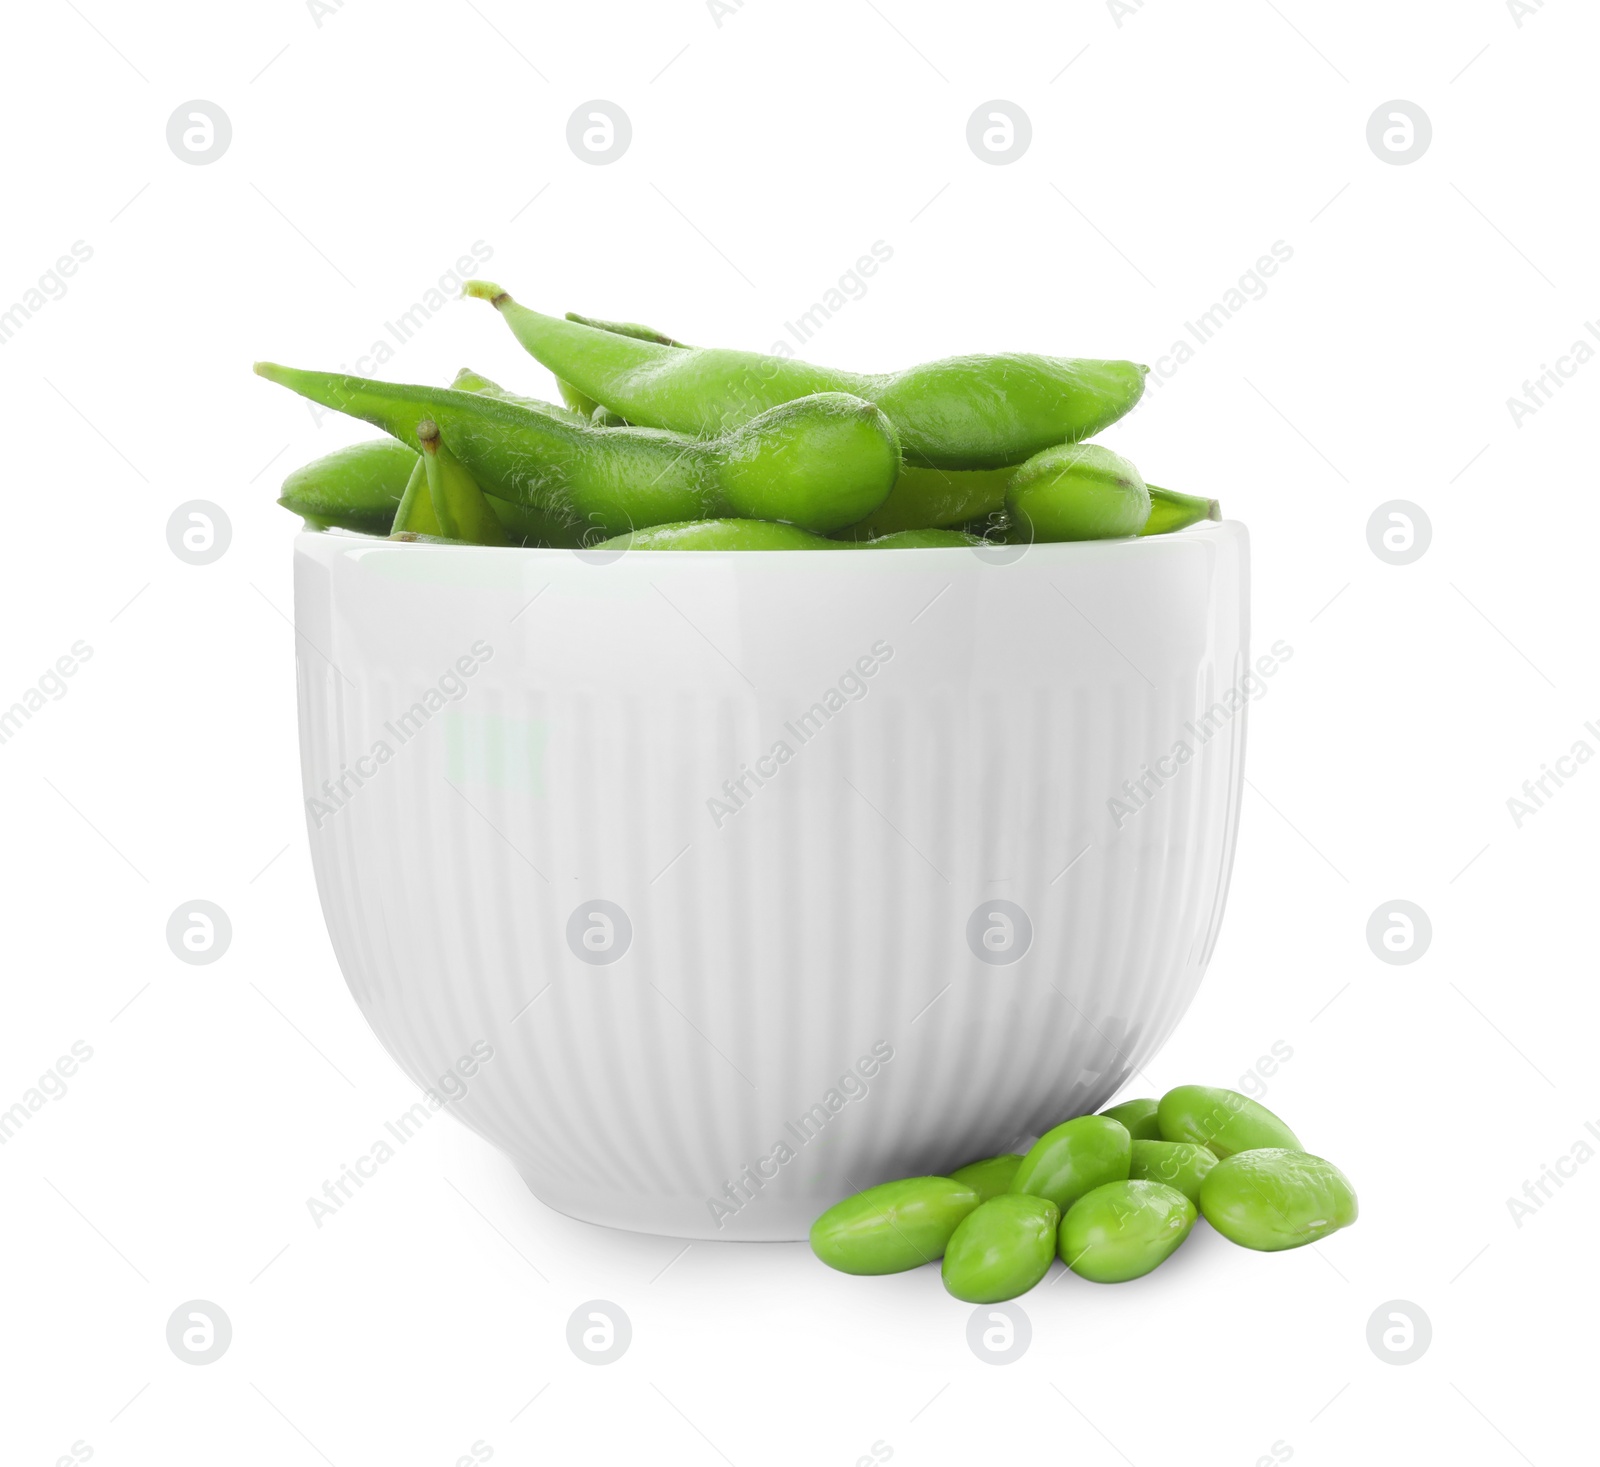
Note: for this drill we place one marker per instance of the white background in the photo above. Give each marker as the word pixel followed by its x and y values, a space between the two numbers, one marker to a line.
pixel 1168 154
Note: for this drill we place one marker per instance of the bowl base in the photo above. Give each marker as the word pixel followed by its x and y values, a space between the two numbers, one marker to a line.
pixel 760 1220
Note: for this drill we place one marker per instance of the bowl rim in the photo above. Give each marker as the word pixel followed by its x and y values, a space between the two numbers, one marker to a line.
pixel 1205 530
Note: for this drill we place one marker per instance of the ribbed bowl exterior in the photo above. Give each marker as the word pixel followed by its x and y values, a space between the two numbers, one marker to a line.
pixel 939 912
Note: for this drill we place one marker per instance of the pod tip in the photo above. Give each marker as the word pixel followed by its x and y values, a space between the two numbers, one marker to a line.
pixel 428 433
pixel 485 290
pixel 1215 512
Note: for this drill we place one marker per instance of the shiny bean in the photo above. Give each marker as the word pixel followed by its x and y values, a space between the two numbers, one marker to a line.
pixel 1074 1158
pixel 1276 1198
pixel 1223 1121
pixel 1001 1249
pixel 989 1178
pixel 1139 1116
pixel 892 1227
pixel 1178 1164
pixel 1124 1230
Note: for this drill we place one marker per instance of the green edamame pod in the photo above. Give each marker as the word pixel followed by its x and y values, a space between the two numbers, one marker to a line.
pixel 354 488
pixel 916 540
pixel 820 462
pixel 990 1177
pixel 959 413
pixel 466 380
pixel 1275 1198
pixel 458 503
pixel 924 498
pixel 1124 1230
pixel 1223 1121
pixel 892 1227
pixel 415 515
pixel 1178 1164
pixel 1171 511
pixel 587 405
pixel 1074 1158
pixel 1077 491
pixel 721 535
pixel 1001 1249
pixel 921 499
pixel 625 328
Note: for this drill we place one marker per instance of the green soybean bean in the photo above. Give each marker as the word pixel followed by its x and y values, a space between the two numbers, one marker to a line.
pixel 1077 491
pixel 1223 1121
pixel 721 535
pixel 1171 511
pixel 820 462
pixel 892 1227
pixel 990 1177
pixel 1276 1198
pixel 1177 1164
pixel 1138 1116
pixel 1124 1230
pixel 963 412
pixel 458 503
pixel 354 488
pixel 1001 1249
pixel 1074 1158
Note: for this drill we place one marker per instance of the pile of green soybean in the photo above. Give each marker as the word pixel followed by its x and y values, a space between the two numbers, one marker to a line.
pixel 662 446
pixel 1111 1195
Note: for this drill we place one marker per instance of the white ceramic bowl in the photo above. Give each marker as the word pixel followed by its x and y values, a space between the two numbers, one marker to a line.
pixel 920 929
